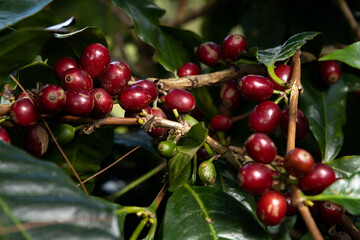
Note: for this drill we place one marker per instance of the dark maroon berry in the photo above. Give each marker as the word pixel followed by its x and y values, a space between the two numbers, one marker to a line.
pixel 103 103
pixel 188 69
pixel 232 47
pixel 255 178
pixel 298 162
pixel 261 148
pixel 209 54
pixel 36 140
pixel 284 73
pixel 255 88
pixel 264 117
pixel 23 113
pixel 271 208
pixel 78 102
pixel 302 124
pixel 181 100
pixel 4 136
pixel 51 99
pixel 290 209
pixel 202 154
pixel 329 213
pixel 23 95
pixel 150 86
pixel 158 132
pixel 134 98
pixel 320 177
pixel 63 64
pixel 114 79
pixel 330 71
pixel 230 94
pixel 76 78
pixel 94 59
pixel 221 123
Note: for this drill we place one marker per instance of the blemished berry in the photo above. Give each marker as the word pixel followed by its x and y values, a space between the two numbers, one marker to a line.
pixel 78 102
pixel 167 148
pixel 207 172
pixel 264 117
pixel 181 100
pixel 134 98
pixel 103 102
pixel 209 53
pixel 290 209
pixel 255 178
pixel 94 59
pixel 298 162
pixel 221 123
pixel 188 69
pixel 255 88
pixel 230 94
pixel 150 86
pixel 158 132
pixel 51 99
pixel 64 132
pixel 115 77
pixel 36 140
pixel 76 78
pixel 62 64
pixel 320 177
pixel 4 136
pixel 329 212
pixel 23 113
pixel 284 73
pixel 232 47
pixel 261 148
pixel 271 208
pixel 330 71
pixel 302 124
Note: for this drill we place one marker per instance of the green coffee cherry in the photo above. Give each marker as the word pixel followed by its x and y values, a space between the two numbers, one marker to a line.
pixel 207 172
pixel 167 148
pixel 64 133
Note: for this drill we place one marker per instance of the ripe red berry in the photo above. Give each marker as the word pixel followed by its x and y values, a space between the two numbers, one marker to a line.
pixel 209 53
pixel 115 77
pixel 23 95
pixel 4 136
pixel 76 78
pixel 51 99
pixel 134 98
pixel 255 178
pixel 264 117
pixel 94 59
pixel 329 213
pixel 232 47
pixel 330 71
pixel 36 140
pixel 320 177
pixel 302 124
pixel 78 102
pixel 150 86
pixel 135 114
pixel 230 94
pixel 158 132
pixel 271 208
pixel 298 162
pixel 188 69
pixel 261 148
pixel 255 88
pixel 290 209
pixel 284 73
pixel 62 64
pixel 181 100
pixel 23 113
pixel 103 103
pixel 221 123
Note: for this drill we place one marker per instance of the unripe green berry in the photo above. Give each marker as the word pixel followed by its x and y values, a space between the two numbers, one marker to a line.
pixel 167 148
pixel 207 172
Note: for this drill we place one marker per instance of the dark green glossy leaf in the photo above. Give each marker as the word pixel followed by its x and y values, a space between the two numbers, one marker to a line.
pixel 205 213
pixel 348 55
pixel 38 201
pixel 204 100
pixel 280 230
pixel 345 192
pixel 346 165
pixel 352 81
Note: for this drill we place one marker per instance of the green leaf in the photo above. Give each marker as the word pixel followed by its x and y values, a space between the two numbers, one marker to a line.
pixel 346 165
pixel 352 81
pixel 194 212
pixel 14 11
pixel 348 55
pixel 204 100
pixel 345 192
pixel 279 231
pixel 38 201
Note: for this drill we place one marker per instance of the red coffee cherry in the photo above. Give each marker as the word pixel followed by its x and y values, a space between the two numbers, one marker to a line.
pixel 255 88
pixel 264 117
pixel 320 177
pixel 150 86
pixel 51 99
pixel 181 100
pixel 135 114
pixel 232 47
pixel 94 59
pixel 284 73
pixel 76 78
pixel 62 64
pixel 330 71
pixel 78 102
pixel 188 69
pixel 221 123
pixel 271 208
pixel 298 162
pixel 158 132
pixel 36 140
pixel 329 213
pixel 103 103
pixel 261 148
pixel 302 124
pixel 230 94
pixel 209 54
pixel 4 136
pixel 290 209
pixel 115 77
pixel 23 113
pixel 134 98
pixel 255 178
pixel 23 95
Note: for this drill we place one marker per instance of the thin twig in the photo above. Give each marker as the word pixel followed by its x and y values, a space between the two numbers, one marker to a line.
pixel 240 117
pixel 350 17
pixel 349 227
pixel 160 195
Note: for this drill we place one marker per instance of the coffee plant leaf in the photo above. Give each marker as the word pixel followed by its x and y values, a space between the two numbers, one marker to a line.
pixel 346 165
pixel 204 100
pixel 279 231
pixel 348 55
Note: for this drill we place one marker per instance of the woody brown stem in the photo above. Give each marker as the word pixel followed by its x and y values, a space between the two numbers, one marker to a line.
pixel 349 227
pixel 350 17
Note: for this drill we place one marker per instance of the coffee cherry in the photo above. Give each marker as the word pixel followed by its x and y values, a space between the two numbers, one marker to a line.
pixel 329 213
pixel 298 162
pixel 115 77
pixel 261 148
pixel 230 94
pixel 271 208
pixel 207 172
pixel 94 59
pixel 4 136
pixel 36 140
pixel 23 95
pixel 209 54
pixel 23 113
pixel 221 123
pixel 158 132
pixel 330 71
pixel 167 148
pixel 64 132
pixel 290 209
pixel 51 99
pixel 264 117
pixel 255 88
pixel 76 78
pixel 188 69
pixel 255 178
pixel 181 100
pixel 302 124
pixel 232 47
pixel 135 114
pixel 78 102
pixel 284 73
pixel 62 64
pixel 320 177
pixel 134 98
pixel 150 86
pixel 202 154
pixel 103 103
